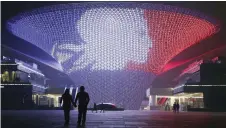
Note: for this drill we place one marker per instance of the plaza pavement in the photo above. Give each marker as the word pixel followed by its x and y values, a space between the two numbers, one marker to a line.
pixel 117 119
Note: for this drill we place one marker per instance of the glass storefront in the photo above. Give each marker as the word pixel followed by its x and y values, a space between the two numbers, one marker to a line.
pixel 47 100
pixel 192 100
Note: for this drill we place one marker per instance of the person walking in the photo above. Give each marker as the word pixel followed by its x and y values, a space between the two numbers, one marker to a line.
pixel 102 107
pixel 67 100
pixel 174 107
pixel 177 107
pixel 94 107
pixel 83 98
pixel 167 108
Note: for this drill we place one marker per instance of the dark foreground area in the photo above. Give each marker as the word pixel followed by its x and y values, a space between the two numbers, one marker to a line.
pixel 113 119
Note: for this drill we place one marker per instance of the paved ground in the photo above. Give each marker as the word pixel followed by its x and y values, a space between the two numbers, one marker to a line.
pixel 119 119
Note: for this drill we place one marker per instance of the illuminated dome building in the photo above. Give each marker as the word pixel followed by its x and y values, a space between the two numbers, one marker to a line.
pixel 114 49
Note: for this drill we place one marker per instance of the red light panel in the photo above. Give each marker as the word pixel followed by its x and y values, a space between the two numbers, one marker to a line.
pixel 172 33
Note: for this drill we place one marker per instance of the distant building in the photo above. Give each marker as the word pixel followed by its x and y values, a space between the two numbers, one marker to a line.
pixel 20 82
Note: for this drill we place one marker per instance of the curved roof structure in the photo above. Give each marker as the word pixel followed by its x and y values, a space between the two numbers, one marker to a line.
pixel 114 49
pixel 164 31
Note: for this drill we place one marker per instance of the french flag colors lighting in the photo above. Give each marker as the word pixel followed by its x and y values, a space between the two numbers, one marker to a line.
pixel 114 49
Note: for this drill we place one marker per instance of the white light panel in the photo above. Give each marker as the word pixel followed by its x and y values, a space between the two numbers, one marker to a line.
pixel 113 37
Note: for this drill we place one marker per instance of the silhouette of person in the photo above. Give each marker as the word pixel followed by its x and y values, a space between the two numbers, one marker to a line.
pixel 174 107
pixel 95 107
pixel 67 100
pixel 83 98
pixel 177 107
pixel 167 107
pixel 102 107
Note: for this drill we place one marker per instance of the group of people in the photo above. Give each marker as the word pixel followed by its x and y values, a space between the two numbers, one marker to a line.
pixel 176 107
pixel 83 99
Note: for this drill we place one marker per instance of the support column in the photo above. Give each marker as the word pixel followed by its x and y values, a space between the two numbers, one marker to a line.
pixel 152 100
